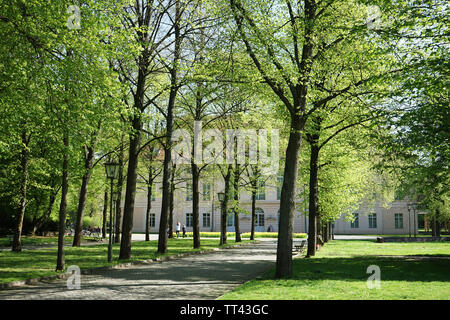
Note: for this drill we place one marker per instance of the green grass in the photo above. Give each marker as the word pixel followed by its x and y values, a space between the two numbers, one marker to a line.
pixel 32 264
pixel 232 235
pixel 402 235
pixel 39 240
pixel 339 271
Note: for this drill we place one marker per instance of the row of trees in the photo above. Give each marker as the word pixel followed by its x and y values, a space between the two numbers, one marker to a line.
pixel 127 76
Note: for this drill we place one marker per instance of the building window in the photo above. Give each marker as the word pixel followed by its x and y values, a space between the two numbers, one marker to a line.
pixel 399 221
pixel 279 186
pixel 152 220
pixel 261 192
pixel 189 192
pixel 259 217
pixel 206 192
pixel 153 195
pixel 230 219
pixel 189 220
pixel 355 222
pixel 372 220
pixel 207 220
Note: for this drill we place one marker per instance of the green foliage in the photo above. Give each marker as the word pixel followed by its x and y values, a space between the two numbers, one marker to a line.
pixel 389 81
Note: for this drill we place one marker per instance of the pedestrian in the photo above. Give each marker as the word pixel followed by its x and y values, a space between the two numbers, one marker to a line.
pixel 184 231
pixel 178 229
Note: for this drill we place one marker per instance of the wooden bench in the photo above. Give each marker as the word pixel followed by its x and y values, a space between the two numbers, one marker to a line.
pixel 97 236
pixel 298 248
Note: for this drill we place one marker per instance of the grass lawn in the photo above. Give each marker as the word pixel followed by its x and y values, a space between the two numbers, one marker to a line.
pixel 42 262
pixel 443 234
pixel 339 272
pixel 38 240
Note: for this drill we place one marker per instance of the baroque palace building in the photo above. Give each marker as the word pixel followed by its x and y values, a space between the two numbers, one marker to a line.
pixel 374 219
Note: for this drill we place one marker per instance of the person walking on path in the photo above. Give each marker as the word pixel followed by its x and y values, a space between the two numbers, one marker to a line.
pixel 184 231
pixel 178 229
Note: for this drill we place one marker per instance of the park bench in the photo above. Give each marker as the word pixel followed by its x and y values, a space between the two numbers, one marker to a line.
pixel 299 247
pixel 97 236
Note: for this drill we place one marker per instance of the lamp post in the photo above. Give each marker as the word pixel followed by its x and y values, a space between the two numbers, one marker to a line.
pixel 112 172
pixel 221 196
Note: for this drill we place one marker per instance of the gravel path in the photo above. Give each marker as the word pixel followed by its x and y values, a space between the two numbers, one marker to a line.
pixel 196 277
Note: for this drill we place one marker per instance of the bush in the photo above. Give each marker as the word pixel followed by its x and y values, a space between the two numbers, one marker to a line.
pixel 48 226
pixel 91 222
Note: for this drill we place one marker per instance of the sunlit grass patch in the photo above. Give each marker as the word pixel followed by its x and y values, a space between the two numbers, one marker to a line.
pixel 339 271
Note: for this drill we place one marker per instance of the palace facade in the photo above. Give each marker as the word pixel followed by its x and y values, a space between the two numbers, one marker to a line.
pixel 377 219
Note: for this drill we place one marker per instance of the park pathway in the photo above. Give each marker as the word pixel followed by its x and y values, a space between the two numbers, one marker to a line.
pixel 195 277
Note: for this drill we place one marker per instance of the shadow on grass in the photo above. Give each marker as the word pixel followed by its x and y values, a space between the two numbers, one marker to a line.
pixel 355 269
pixel 36 263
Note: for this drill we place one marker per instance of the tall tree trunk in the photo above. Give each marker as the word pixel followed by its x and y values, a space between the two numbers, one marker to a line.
pixel 237 228
pixel 313 198
pixel 331 231
pixel 149 205
pixel 165 205
pixel 437 224
pixel 253 218
pixel 119 193
pixel 88 164
pixel 165 202
pixel 319 228
pixel 287 200
pixel 254 187
pixel 143 18
pixel 36 220
pixel 130 193
pixel 195 204
pixel 52 198
pixel 60 262
pixel 325 232
pixel 172 195
pixel 296 104
pixel 224 207
pixel 105 214
pixel 17 240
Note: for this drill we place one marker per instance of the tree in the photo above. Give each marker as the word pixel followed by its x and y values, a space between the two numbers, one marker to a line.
pixel 289 49
pixel 173 70
pixel 65 58
pixel 417 146
pixel 292 93
pixel 144 20
pixel 89 150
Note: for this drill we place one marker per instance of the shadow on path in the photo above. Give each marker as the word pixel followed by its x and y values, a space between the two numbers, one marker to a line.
pixel 197 277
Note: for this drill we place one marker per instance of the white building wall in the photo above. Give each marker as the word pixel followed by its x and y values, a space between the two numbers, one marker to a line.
pixel 270 206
